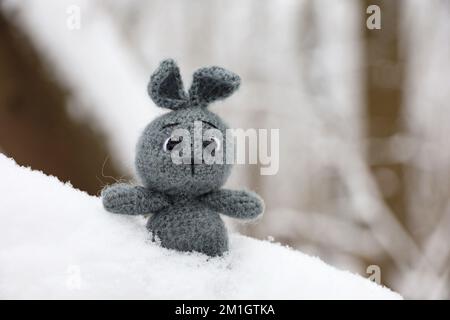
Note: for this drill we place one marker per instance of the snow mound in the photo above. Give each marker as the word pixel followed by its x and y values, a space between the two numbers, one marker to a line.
pixel 58 242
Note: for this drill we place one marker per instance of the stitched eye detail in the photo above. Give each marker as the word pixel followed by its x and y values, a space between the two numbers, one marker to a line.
pixel 171 142
pixel 212 141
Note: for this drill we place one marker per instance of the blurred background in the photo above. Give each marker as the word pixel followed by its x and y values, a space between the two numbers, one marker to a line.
pixel 364 177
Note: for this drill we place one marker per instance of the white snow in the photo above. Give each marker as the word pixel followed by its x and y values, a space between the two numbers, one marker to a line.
pixel 58 242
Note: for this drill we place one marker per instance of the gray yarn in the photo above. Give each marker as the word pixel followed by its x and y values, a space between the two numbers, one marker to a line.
pixel 166 87
pixel 210 84
pixel 185 199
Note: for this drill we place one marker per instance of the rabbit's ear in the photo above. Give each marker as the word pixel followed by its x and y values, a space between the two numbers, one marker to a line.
pixel 212 83
pixel 166 87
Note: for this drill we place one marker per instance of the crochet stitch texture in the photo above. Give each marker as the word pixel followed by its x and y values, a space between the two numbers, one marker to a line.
pixel 185 200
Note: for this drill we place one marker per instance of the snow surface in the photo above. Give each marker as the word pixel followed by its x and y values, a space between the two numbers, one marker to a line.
pixel 59 242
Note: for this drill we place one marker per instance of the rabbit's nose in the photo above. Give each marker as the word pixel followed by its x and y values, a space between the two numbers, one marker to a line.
pixel 192 166
pixel 197 159
pixel 196 153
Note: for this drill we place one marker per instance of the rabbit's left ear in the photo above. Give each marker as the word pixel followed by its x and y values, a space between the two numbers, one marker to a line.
pixel 212 83
pixel 166 87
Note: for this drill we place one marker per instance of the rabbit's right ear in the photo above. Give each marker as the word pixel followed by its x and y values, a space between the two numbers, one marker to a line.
pixel 211 84
pixel 166 87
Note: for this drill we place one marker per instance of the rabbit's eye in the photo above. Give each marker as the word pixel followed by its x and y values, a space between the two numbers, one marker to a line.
pixel 213 144
pixel 171 142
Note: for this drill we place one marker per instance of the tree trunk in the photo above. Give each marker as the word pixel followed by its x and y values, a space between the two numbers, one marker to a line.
pixel 35 127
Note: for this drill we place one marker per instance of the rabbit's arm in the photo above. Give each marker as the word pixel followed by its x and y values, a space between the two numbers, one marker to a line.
pixel 236 204
pixel 133 200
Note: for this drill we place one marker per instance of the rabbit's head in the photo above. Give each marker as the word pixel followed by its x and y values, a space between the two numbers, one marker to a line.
pixel 178 131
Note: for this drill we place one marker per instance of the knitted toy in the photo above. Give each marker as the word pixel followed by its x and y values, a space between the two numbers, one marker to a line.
pixel 185 199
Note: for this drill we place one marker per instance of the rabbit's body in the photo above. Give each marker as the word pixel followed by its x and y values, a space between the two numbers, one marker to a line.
pixel 185 198
pixel 190 225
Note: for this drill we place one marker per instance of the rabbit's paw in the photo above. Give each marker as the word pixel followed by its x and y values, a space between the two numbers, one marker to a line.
pixel 119 198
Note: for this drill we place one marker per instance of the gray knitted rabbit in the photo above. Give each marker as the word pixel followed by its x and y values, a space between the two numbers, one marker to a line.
pixel 186 198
